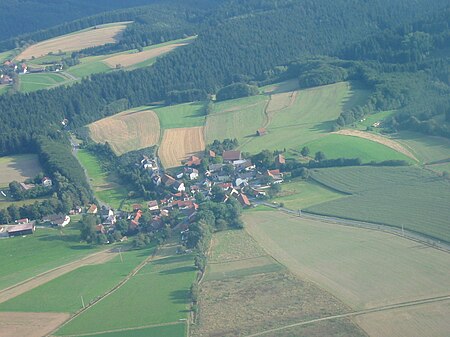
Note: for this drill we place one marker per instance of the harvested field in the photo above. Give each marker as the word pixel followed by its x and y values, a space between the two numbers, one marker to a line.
pixel 429 320
pixel 76 41
pixel 379 139
pixel 178 144
pixel 363 268
pixel 428 149
pixel 30 324
pixel 127 131
pixel 19 168
pixel 127 60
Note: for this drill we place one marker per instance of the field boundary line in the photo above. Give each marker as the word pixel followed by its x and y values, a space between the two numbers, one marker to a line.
pixel 111 291
pixel 358 313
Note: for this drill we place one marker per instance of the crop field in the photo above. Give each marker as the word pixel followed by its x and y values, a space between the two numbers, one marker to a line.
pixel 158 294
pixel 260 298
pixel 33 82
pixel 88 66
pixel 309 116
pixel 408 196
pixel 25 257
pixel 172 330
pixel 95 36
pixel 127 131
pixel 428 149
pixel 178 144
pixel 64 293
pixel 32 324
pixel 342 146
pixel 238 118
pixel 300 194
pixel 19 168
pixel 182 115
pixel 363 268
pixel 105 187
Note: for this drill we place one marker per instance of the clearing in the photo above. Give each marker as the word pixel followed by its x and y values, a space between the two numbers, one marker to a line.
pixel 363 268
pixel 30 324
pixel 18 167
pixel 127 131
pixel 91 37
pixel 178 144
pixel 397 196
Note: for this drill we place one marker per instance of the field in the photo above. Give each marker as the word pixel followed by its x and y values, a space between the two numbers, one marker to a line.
pixel 253 299
pixel 363 268
pixel 30 324
pixel 373 118
pixel 172 330
pixel 7 201
pixel 88 66
pixel 427 149
pixel 25 257
pixel 105 187
pixel 4 89
pixel 130 130
pixel 299 194
pixel 305 116
pixel 63 294
pixel 238 118
pixel 157 294
pixel 95 36
pixel 178 144
pixel 181 115
pixel 19 168
pixel 33 82
pixel 408 196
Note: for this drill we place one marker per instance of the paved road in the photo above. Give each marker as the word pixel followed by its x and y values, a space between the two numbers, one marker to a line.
pixel 441 245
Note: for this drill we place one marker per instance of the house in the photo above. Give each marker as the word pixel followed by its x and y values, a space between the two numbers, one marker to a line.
pixel 106 212
pixel 149 164
pixel 191 173
pixel 22 229
pixel 92 209
pixel 135 222
pixel 243 200
pixel 100 229
pixel 240 182
pixel 193 161
pixel 156 179
pixel 59 220
pixel 5 79
pixel 280 160
pixel 110 220
pixel 46 182
pixel 22 221
pixel 261 132
pixel 153 206
pixel 276 175
pixel 231 156
pixel 24 68
pixel 178 186
pixel 76 210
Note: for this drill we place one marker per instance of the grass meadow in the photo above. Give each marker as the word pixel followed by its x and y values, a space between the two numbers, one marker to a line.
pixel 25 257
pixel 363 268
pixel 38 81
pixel 173 330
pixel 18 167
pixel 396 196
pixel 64 293
pixel 427 149
pixel 158 294
pixel 182 115
pixel 105 188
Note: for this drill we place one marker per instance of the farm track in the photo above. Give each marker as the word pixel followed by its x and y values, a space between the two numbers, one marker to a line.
pixel 357 313
pixel 31 283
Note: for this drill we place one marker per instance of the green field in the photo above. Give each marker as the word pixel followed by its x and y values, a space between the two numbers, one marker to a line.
pixel 174 330
pixel 309 117
pixel 300 194
pixel 105 187
pixel 182 115
pixel 363 268
pixel 427 149
pixel 64 293
pixel 4 89
pixel 340 146
pixel 89 66
pixel 18 167
pixel 396 196
pixel 158 294
pixel 33 82
pixel 238 118
pixel 25 257
pixel 373 118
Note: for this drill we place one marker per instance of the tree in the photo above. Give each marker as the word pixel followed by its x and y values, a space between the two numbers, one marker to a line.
pixel 305 151
pixel 88 229
pixel 319 156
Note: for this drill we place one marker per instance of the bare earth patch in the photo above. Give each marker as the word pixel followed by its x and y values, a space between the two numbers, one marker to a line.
pixel 85 39
pixel 127 131
pixel 97 258
pixel 126 60
pixel 30 324
pixel 178 144
pixel 378 139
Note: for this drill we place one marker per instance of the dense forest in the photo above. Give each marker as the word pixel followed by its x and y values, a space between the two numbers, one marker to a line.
pixel 231 47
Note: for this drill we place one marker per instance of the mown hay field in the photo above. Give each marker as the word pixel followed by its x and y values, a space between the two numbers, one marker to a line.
pixel 309 115
pixel 157 294
pixel 18 167
pixel 94 36
pixel 238 118
pixel 181 115
pixel 33 82
pixel 410 197
pixel 253 300
pixel 178 144
pixel 127 131
pixel 172 330
pixel 363 268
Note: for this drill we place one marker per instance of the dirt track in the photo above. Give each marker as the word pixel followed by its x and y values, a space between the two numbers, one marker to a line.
pixel 40 279
pixel 378 139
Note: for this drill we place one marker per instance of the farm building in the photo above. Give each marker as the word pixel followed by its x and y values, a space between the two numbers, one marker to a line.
pixel 211 154
pixel 92 209
pixel 261 132
pixel 60 220
pixel 153 206
pixel 231 156
pixel 193 161
pixel 23 229
pixel 242 198
pixel 280 160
